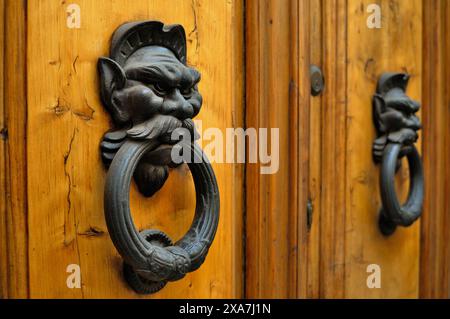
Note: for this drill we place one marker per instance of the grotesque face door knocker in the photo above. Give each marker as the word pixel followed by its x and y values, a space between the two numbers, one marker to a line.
pixel 396 122
pixel 152 96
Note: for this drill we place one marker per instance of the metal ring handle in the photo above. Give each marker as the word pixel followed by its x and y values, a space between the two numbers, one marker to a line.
pixel 150 258
pixel 393 214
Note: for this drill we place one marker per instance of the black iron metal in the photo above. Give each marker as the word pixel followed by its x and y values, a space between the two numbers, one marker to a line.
pixel 309 214
pixel 317 80
pixel 397 126
pixel 151 93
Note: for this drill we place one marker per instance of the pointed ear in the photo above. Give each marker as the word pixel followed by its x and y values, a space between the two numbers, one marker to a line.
pixel 112 77
pixel 379 103
pixel 379 107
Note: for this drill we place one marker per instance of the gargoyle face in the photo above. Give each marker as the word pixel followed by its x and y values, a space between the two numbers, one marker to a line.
pixel 152 82
pixel 394 113
pixel 149 96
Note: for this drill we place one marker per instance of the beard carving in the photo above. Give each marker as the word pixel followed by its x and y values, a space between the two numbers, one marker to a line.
pixel 150 92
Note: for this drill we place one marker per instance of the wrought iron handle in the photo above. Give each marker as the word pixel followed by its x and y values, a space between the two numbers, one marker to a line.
pixel 397 126
pixel 152 96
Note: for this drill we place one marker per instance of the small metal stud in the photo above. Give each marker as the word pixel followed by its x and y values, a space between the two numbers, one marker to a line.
pixel 309 214
pixel 317 80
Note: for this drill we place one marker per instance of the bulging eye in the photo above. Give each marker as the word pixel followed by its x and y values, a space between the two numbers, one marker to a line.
pixel 159 89
pixel 186 92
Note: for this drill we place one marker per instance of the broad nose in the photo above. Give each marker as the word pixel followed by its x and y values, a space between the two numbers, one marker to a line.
pixel 176 105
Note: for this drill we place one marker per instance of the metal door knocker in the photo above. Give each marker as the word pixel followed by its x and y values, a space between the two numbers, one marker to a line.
pixel 151 93
pixel 397 126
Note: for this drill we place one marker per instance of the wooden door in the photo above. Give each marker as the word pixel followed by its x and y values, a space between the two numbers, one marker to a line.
pixel 315 224
pixel 310 229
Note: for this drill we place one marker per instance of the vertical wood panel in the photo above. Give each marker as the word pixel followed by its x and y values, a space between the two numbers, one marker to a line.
pixel 311 283
pixel 16 160
pixel 300 112
pixel 277 76
pixel 304 270
pixel 294 249
pixel 435 249
pixel 65 125
pixel 333 170
pixel 3 132
pixel 267 106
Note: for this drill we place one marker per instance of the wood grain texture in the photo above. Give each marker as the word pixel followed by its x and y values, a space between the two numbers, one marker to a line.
pixel 311 283
pixel 267 209
pixel 3 131
pixel 435 249
pixel 333 134
pixel 15 104
pixel 277 71
pixel 300 107
pixel 65 124
pixel 395 47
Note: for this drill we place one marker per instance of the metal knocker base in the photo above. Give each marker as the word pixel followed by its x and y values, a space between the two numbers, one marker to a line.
pixel 151 260
pixel 392 213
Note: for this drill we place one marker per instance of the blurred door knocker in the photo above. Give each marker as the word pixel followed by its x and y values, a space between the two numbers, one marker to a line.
pixel 397 126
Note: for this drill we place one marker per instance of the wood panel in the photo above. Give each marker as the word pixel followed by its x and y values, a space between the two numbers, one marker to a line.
pixel 268 77
pixel 3 132
pixel 16 231
pixel 310 284
pixel 435 250
pixel 333 157
pixel 277 68
pixel 66 121
pixel 396 46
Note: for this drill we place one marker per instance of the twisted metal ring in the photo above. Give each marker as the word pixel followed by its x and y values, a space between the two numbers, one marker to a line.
pixel 150 258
